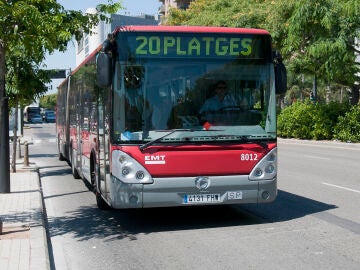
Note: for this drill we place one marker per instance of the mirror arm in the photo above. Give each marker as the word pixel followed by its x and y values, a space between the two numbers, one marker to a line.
pixel 280 73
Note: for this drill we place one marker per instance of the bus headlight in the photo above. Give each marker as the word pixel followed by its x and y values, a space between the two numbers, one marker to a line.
pixel 270 168
pixel 266 169
pixel 128 170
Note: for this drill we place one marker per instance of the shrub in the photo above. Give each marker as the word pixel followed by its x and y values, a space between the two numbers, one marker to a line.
pixel 348 126
pixel 308 120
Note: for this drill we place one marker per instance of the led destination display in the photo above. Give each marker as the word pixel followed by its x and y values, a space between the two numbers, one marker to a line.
pixel 185 46
pixel 163 45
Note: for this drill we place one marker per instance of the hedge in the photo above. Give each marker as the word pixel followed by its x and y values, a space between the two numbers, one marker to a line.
pixel 316 121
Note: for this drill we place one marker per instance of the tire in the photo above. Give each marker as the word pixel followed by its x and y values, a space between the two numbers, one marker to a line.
pixel 93 176
pixel 74 171
pixel 100 202
pixel 61 156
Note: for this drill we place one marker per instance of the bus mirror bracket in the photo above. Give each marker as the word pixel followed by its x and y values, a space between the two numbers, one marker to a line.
pixel 280 74
pixel 103 69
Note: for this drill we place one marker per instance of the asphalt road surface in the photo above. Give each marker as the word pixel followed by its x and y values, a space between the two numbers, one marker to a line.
pixel 313 224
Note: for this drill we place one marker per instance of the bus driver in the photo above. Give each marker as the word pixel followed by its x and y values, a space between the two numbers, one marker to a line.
pixel 221 99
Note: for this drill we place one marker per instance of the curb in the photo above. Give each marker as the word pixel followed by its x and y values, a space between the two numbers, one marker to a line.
pixel 40 254
pixel 39 234
pixel 299 141
pixel 48 260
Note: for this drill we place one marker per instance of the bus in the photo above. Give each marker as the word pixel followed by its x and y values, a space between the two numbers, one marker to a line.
pixel 30 111
pixel 130 120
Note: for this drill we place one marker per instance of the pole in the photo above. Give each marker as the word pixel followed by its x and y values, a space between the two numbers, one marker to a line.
pixel 4 128
pixel 26 154
pixel 4 147
pixel 18 149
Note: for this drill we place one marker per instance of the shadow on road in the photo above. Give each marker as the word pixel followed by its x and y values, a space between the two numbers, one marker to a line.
pixel 288 206
pixel 89 222
pixel 55 172
pixel 43 155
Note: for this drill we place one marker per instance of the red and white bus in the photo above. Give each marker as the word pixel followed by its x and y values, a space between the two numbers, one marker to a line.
pixel 131 118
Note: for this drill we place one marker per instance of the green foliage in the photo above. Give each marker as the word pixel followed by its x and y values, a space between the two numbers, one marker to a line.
pixel 308 120
pixel 30 30
pixel 41 26
pixel 48 101
pixel 317 37
pixel 25 81
pixel 296 121
pixel 231 13
pixel 348 126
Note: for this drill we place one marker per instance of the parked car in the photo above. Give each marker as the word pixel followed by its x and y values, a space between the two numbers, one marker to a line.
pixel 49 116
pixel 36 119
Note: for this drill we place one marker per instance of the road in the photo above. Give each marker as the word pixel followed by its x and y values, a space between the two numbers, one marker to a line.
pixel 313 224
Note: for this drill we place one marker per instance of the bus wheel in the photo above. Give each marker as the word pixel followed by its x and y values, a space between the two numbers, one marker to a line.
pixel 93 175
pixel 74 171
pixel 101 203
pixel 61 156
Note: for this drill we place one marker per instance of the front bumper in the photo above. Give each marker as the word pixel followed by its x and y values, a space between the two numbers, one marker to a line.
pixel 168 192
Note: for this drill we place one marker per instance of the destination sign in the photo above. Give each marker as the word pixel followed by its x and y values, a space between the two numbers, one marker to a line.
pixel 173 45
pixel 195 46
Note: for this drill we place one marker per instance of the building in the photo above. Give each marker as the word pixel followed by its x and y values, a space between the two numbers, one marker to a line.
pixel 90 42
pixel 168 4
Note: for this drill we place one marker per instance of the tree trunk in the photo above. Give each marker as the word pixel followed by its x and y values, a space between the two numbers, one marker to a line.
pixel 355 94
pixel 314 89
pixel 4 127
pixel 328 94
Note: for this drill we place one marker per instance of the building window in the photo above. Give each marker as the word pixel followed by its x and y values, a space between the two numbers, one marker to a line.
pixel 86 41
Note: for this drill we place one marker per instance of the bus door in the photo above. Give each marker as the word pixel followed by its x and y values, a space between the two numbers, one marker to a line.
pixel 85 142
pixel 79 115
pixel 104 166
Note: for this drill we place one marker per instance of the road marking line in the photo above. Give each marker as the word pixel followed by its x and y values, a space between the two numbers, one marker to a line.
pixel 316 157
pixel 37 141
pixel 349 189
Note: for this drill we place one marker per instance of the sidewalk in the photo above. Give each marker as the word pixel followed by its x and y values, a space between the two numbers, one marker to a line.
pixel 23 242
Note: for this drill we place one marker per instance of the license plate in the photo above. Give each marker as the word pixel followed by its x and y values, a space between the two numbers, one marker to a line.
pixel 234 195
pixel 201 198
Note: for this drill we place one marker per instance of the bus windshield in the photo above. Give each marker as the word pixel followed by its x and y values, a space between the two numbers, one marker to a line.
pixel 193 93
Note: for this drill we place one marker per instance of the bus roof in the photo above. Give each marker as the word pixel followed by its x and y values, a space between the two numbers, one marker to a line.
pixel 190 29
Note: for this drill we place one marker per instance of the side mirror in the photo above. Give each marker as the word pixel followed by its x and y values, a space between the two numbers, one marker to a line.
pixel 103 69
pixel 280 74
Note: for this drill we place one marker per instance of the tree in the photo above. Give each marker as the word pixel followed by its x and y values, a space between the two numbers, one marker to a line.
pixel 231 13
pixel 318 38
pixel 24 82
pixel 48 101
pixel 37 27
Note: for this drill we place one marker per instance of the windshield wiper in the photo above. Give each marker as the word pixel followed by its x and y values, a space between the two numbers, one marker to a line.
pixel 146 145
pixel 228 137
pixel 243 138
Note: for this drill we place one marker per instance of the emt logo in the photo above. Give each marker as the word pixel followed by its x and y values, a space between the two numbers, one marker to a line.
pixel 155 159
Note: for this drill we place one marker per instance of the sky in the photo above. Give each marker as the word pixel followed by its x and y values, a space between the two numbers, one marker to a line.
pixel 67 60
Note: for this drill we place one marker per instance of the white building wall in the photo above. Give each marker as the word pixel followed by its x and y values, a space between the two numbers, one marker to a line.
pixel 90 42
